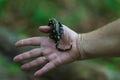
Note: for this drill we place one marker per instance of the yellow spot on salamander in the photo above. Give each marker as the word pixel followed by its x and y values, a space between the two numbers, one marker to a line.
pixel 53 30
pixel 58 37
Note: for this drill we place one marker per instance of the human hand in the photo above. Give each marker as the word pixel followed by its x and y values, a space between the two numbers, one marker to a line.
pixel 47 54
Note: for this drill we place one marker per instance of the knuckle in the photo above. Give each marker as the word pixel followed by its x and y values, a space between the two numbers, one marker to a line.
pixel 22 56
pixel 31 41
pixel 38 61
pixel 30 52
pixel 52 56
pixel 34 63
pixel 46 69
pixel 27 55
pixel 46 51
pixel 44 59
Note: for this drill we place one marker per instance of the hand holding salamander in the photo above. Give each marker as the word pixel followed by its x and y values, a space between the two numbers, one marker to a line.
pixel 54 50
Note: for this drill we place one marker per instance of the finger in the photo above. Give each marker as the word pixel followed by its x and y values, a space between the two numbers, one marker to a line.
pixel 34 41
pixel 49 66
pixel 44 29
pixel 29 54
pixel 39 61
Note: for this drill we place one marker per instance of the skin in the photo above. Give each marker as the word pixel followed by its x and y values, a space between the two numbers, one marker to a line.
pixel 103 42
pixel 47 54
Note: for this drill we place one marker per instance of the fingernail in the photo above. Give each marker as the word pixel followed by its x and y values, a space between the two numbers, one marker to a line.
pixel 19 42
pixel 17 59
pixel 35 75
pixel 24 67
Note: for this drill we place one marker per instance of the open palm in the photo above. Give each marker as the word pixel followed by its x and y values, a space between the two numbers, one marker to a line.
pixel 47 54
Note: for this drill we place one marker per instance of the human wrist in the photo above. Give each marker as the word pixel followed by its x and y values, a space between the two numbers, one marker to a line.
pixel 91 45
pixel 81 51
pixel 87 48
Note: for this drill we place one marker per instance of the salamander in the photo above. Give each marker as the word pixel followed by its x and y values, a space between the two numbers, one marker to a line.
pixel 56 33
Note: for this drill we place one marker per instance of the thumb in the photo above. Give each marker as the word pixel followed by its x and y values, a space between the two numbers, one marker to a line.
pixel 44 29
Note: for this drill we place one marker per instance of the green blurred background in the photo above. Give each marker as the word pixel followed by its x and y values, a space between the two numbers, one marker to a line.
pixel 21 18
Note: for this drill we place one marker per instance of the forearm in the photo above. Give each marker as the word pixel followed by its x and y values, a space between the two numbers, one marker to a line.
pixel 103 42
